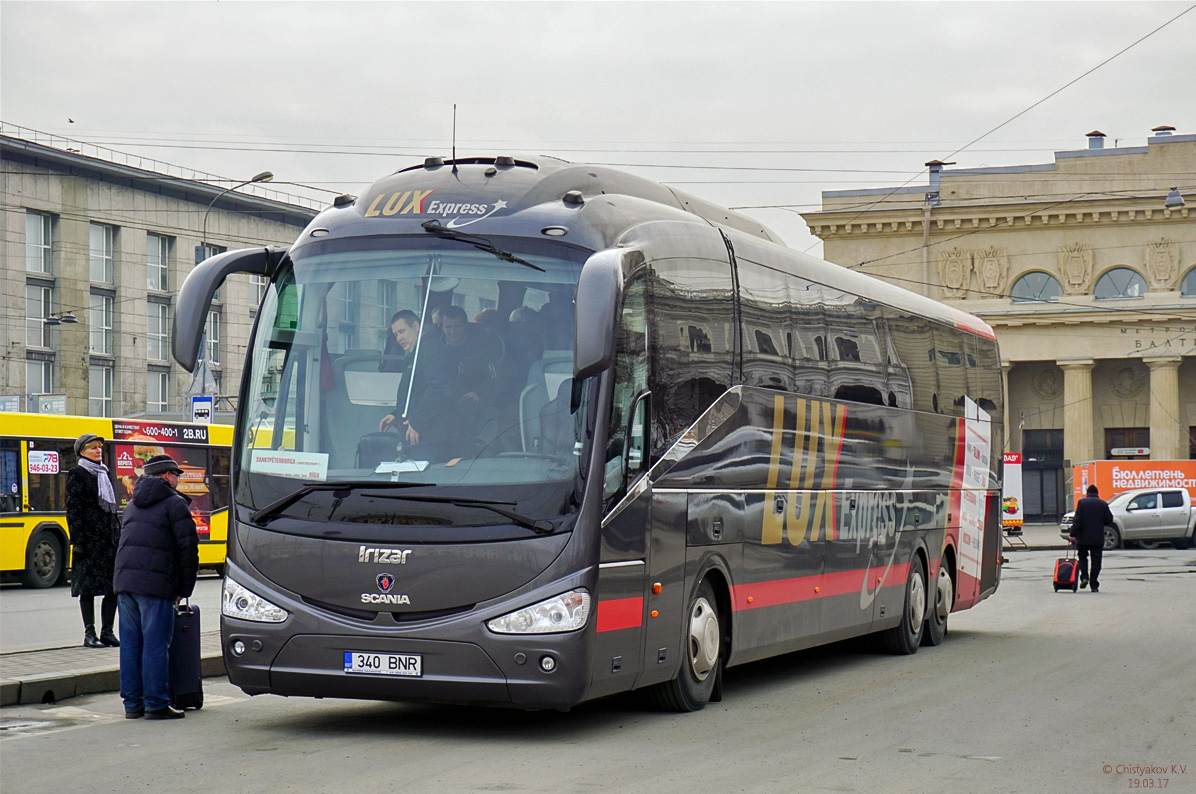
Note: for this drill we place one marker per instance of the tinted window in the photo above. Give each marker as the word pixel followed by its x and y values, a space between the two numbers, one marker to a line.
pixel 1173 499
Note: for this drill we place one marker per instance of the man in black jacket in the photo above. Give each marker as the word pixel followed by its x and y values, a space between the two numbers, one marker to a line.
pixel 156 565
pixel 1088 533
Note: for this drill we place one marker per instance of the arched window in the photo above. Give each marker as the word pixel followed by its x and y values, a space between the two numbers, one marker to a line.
pixel 1187 287
pixel 1120 282
pixel 1037 286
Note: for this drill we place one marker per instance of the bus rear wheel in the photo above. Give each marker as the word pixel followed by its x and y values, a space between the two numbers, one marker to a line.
pixel 936 617
pixel 701 666
pixel 906 636
pixel 43 561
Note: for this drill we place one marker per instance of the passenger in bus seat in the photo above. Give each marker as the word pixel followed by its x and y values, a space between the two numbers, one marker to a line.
pixel 95 530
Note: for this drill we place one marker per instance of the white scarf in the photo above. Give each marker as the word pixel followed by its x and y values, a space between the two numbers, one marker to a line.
pixel 103 481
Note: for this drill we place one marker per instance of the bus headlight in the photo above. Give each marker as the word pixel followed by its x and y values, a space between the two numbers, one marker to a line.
pixel 565 612
pixel 238 602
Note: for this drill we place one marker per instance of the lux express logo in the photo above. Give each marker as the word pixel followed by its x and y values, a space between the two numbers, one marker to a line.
pixel 419 202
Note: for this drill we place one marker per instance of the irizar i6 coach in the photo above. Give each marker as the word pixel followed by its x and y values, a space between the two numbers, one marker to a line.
pixel 528 432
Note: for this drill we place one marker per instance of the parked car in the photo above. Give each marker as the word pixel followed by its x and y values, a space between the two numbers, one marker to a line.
pixel 1148 517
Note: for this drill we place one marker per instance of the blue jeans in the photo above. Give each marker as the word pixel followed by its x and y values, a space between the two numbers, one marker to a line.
pixel 146 629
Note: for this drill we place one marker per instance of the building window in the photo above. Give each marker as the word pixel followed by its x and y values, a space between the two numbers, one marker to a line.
pixel 1036 287
pixel 1127 443
pixel 764 344
pixel 1187 287
pixel 257 287
pixel 157 392
pixel 38 243
pixel 1043 445
pixel 157 252
pixel 212 334
pixel 158 331
pixel 101 324
pixel 101 253
pixel 99 388
pixel 39 304
pixel 849 350
pixel 1120 282
pixel 39 377
pixel 206 251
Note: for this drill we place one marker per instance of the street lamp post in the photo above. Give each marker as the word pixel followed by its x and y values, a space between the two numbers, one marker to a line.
pixel 264 176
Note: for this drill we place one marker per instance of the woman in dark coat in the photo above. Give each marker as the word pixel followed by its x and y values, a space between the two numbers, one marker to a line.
pixel 95 530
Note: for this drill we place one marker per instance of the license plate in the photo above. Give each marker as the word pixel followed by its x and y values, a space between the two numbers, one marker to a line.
pixel 370 663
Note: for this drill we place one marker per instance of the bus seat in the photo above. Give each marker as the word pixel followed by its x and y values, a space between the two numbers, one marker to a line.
pixel 556 422
pixel 361 395
pixel 543 380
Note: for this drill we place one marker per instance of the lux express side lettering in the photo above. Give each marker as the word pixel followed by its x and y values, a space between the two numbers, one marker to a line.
pixel 415 202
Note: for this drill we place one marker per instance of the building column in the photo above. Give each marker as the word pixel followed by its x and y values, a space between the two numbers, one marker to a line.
pixel 1168 437
pixel 1013 438
pixel 1077 411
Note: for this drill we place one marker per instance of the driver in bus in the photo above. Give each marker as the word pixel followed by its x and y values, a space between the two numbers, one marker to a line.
pixel 427 425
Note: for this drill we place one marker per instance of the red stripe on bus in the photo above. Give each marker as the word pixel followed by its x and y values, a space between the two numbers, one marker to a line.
pixel 620 613
pixel 973 324
pixel 802 588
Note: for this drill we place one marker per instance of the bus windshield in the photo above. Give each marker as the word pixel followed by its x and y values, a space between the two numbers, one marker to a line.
pixel 434 361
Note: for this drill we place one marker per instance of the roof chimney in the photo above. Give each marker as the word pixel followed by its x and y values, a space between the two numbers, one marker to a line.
pixel 936 167
pixel 1162 131
pixel 1096 140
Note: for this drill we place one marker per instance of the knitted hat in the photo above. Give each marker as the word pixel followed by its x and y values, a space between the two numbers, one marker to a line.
pixel 83 441
pixel 159 465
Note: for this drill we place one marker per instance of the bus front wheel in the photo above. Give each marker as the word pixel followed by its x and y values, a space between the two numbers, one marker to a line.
pixel 43 561
pixel 701 665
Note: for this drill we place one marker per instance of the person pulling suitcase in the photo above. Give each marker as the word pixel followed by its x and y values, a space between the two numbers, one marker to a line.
pixel 1088 533
pixel 156 565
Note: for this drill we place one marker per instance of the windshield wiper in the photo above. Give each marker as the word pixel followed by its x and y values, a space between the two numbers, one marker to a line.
pixel 477 241
pixel 339 490
pixel 539 527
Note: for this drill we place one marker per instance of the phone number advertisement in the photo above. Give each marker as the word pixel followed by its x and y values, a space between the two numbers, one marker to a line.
pixel 1149 776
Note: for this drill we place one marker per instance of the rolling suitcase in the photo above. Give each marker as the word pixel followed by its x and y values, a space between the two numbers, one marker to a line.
pixel 186 681
pixel 1067 572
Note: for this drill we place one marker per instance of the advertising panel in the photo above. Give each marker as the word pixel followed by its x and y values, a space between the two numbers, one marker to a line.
pixel 1112 477
pixel 130 461
pixel 1011 494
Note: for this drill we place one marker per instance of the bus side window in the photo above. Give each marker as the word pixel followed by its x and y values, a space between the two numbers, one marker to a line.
pixel 631 380
pixel 47 492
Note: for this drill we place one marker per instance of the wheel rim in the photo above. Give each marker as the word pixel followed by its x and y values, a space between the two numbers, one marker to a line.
pixel 1110 538
pixel 946 595
pixel 703 638
pixel 917 600
pixel 44 559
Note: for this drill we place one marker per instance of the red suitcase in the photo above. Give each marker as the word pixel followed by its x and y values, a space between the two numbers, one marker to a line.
pixel 1067 572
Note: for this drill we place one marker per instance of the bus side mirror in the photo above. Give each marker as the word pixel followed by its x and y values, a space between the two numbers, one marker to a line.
pixel 191 308
pixel 599 293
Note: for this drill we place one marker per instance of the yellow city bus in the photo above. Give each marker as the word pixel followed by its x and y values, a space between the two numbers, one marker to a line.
pixel 37 451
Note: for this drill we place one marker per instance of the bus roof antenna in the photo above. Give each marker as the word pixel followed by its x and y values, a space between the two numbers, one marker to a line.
pixel 454 137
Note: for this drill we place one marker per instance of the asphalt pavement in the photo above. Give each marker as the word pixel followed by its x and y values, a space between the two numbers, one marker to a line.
pixel 45 671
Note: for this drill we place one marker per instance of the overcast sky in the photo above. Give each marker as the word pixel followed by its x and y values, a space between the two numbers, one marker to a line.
pixel 758 103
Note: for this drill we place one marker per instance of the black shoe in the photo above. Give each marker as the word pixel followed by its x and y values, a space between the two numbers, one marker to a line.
pixel 167 713
pixel 90 640
pixel 135 715
pixel 1096 588
pixel 109 639
pixel 1083 582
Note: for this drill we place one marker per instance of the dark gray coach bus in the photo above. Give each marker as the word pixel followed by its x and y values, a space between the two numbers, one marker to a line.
pixel 528 432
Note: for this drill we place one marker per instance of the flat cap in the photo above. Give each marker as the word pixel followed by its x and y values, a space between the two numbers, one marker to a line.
pixel 84 440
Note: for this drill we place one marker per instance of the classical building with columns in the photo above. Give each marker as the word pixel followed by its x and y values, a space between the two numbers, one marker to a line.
pixel 96 246
pixel 1085 268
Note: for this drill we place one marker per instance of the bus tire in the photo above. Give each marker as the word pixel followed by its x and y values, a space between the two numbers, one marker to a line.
pixel 701 665
pixel 43 560
pixel 943 599
pixel 906 636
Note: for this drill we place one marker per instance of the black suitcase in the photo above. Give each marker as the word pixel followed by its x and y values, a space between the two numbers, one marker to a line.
pixel 1067 572
pixel 186 678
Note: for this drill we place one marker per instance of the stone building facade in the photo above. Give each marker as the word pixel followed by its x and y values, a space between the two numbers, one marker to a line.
pixel 108 245
pixel 1085 268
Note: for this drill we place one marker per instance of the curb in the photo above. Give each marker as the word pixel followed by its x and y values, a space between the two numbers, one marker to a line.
pixel 46 688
